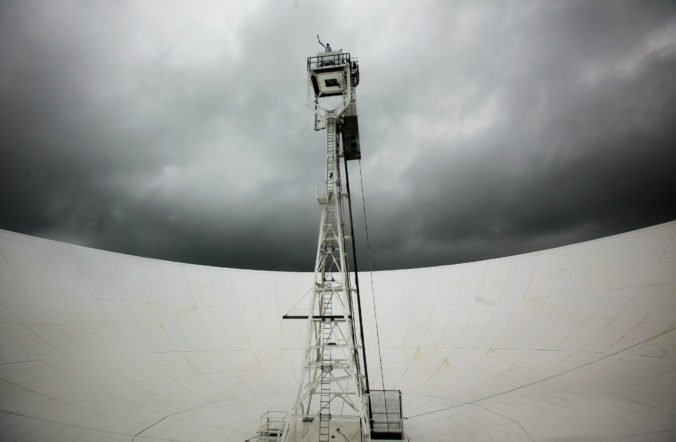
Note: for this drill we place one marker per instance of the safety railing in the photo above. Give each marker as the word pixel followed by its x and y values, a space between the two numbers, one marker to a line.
pixel 328 61
pixel 386 420
pixel 389 428
pixel 271 426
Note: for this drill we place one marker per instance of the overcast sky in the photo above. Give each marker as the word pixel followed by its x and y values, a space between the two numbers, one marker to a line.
pixel 178 130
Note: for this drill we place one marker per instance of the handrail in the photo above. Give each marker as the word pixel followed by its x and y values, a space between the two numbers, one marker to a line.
pixel 271 425
pixel 328 61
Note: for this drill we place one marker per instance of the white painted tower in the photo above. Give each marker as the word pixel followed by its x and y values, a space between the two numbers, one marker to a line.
pixel 332 392
pixel 334 399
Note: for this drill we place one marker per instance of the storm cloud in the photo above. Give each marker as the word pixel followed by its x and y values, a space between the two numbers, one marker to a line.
pixel 180 131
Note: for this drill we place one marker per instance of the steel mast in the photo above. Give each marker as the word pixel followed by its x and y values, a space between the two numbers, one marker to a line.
pixel 333 387
pixel 334 399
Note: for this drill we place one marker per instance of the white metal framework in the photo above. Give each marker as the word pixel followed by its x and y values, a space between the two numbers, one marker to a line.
pixel 333 386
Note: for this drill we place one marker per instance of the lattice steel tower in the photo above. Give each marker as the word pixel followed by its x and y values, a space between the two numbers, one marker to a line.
pixel 334 400
pixel 332 392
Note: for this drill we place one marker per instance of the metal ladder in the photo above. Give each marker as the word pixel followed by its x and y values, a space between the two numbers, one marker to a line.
pixel 327 295
pixel 330 155
pixel 325 383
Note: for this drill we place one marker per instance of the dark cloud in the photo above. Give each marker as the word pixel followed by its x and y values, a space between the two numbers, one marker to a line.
pixel 598 159
pixel 181 132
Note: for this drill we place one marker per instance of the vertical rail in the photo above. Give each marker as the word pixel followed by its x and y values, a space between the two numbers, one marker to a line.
pixel 356 280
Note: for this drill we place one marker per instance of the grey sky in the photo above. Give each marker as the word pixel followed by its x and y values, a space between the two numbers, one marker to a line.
pixel 178 130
